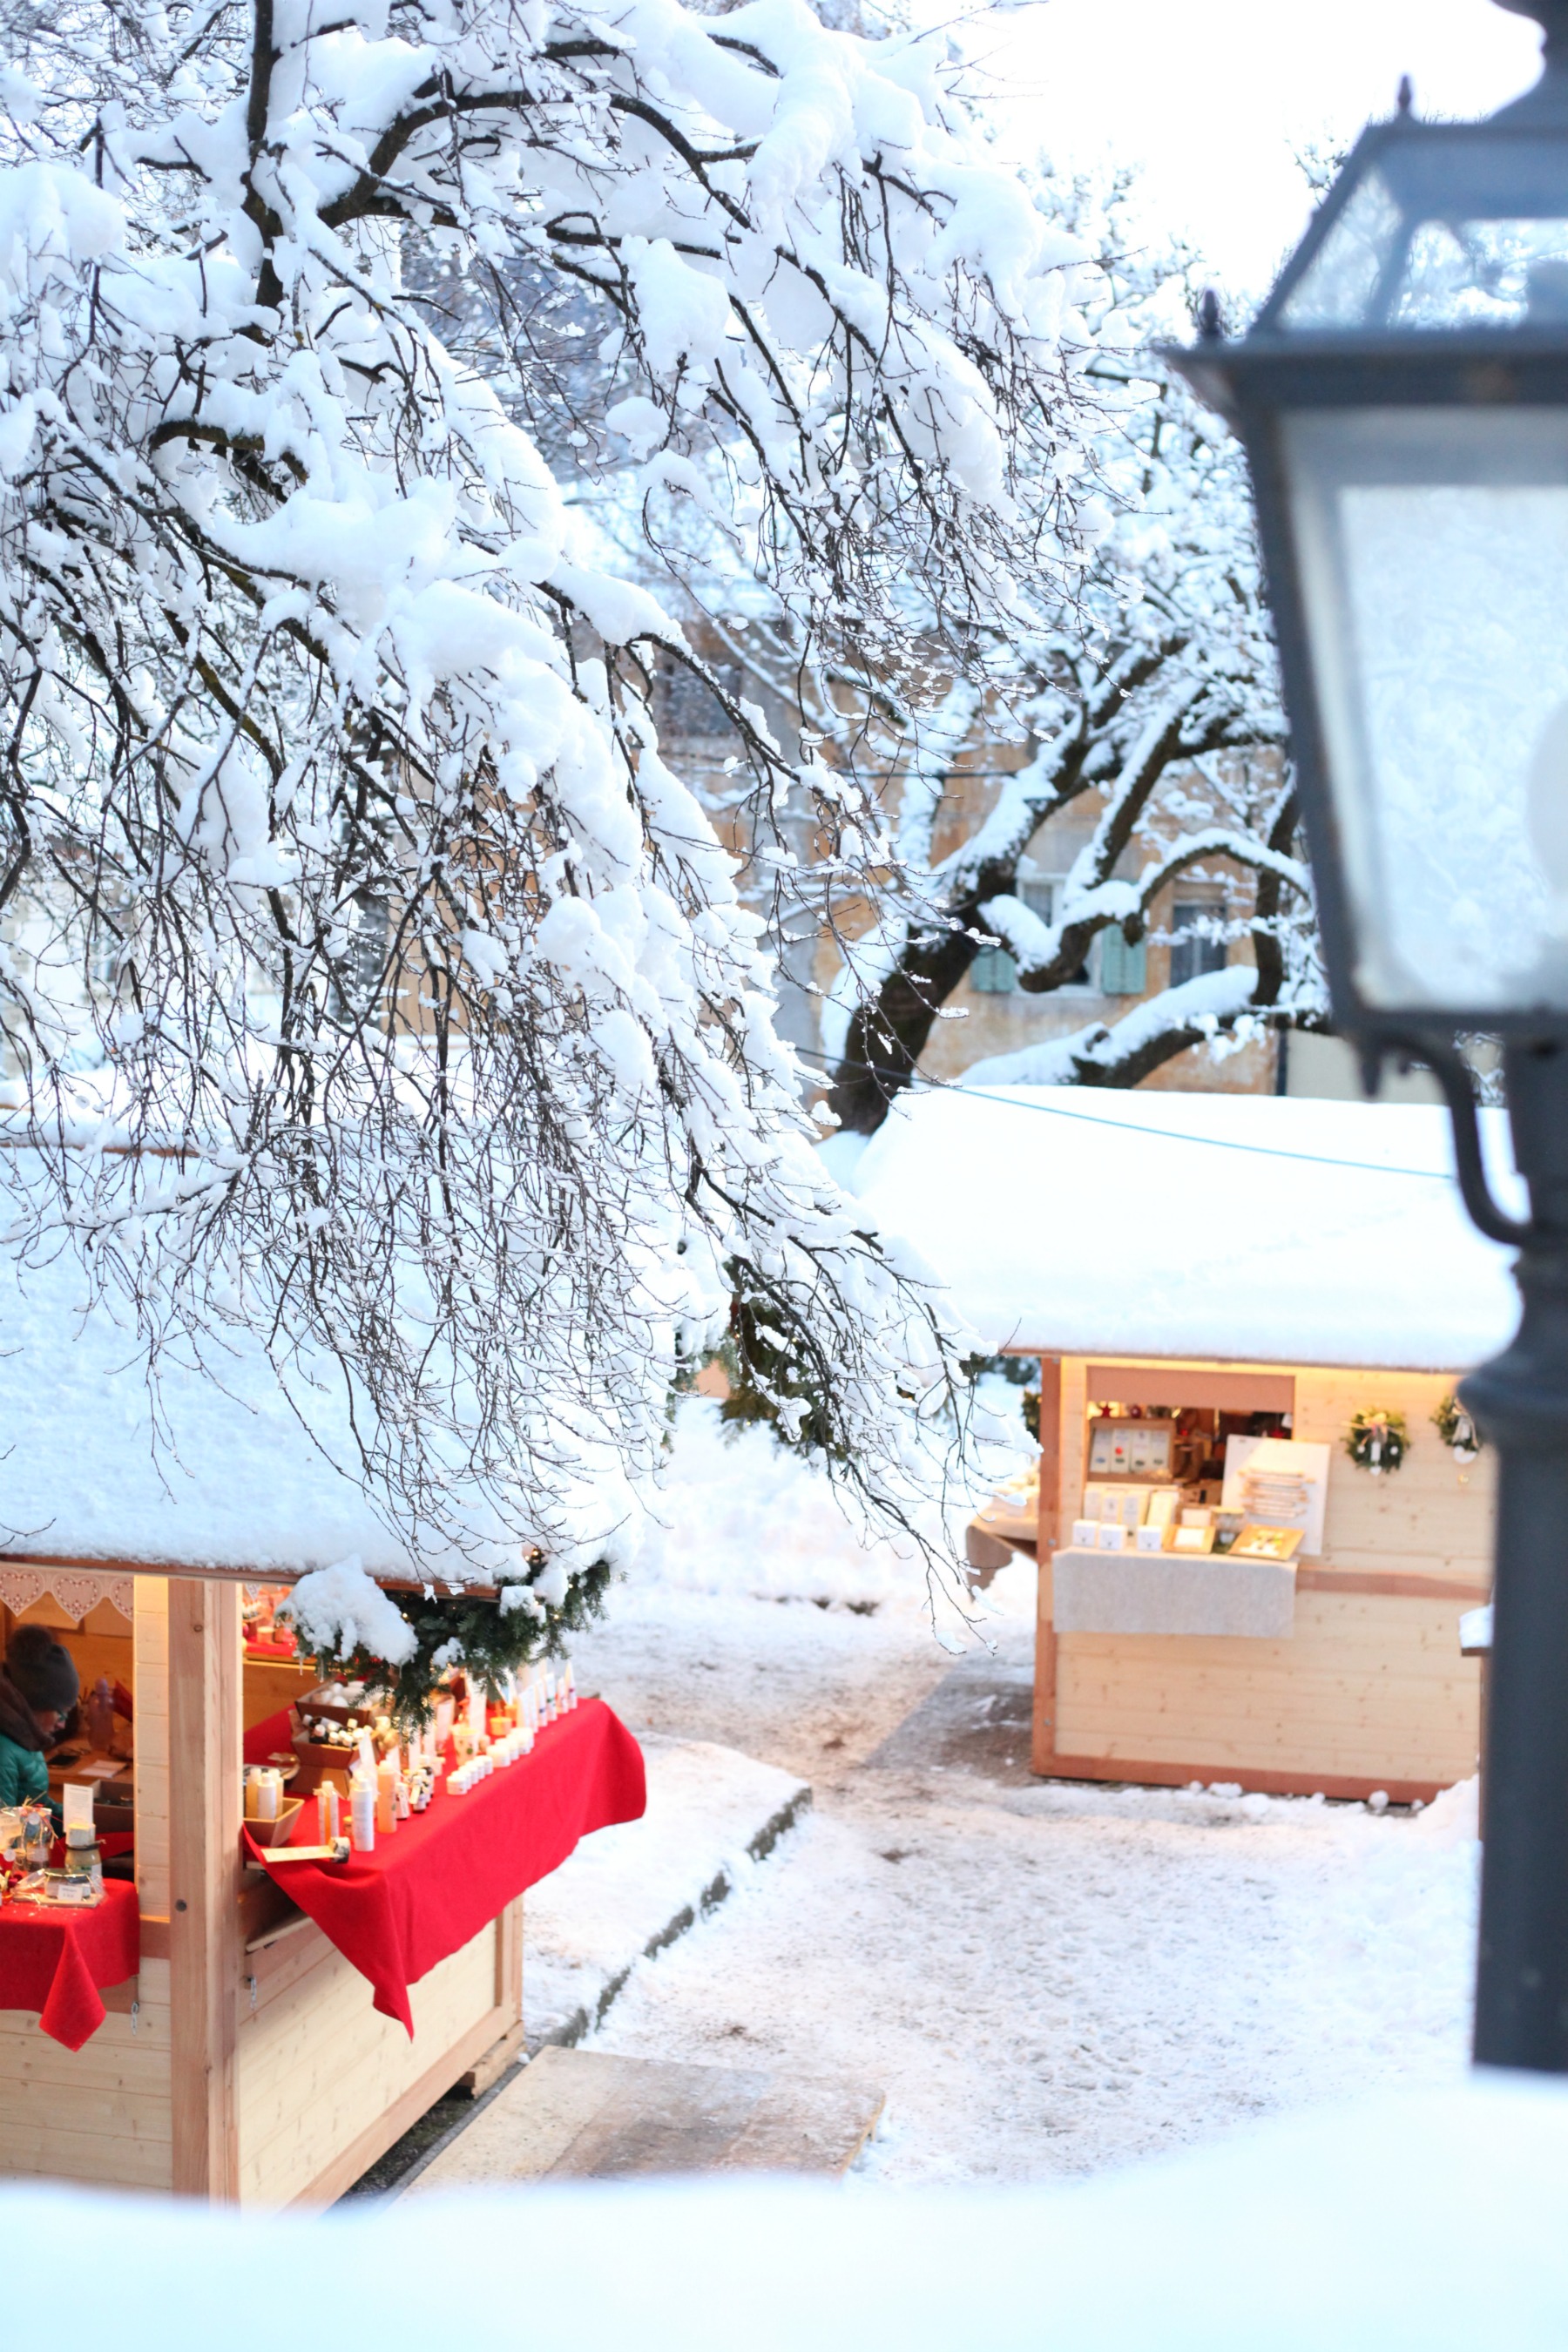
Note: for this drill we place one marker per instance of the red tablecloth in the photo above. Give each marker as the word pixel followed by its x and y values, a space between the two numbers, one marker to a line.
pixel 429 1888
pixel 272 1737
pixel 54 1961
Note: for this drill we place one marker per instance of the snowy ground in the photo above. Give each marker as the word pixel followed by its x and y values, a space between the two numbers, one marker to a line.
pixel 1046 1977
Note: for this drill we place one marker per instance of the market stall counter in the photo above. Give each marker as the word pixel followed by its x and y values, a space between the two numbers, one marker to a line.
pixel 55 1962
pixel 427 1888
pixel 261 2032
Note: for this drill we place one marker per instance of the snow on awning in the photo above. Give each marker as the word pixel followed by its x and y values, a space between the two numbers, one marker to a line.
pixel 229 1480
pixel 1256 1228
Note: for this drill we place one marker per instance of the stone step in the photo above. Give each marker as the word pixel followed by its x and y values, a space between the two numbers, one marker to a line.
pixel 585 2115
pixel 627 1893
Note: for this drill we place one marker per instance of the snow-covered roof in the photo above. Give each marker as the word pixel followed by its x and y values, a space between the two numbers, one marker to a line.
pixel 1247 1227
pixel 232 1482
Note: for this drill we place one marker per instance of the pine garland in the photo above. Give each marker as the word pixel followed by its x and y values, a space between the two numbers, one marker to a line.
pixel 1457 1430
pixel 1377 1440
pixel 488 1640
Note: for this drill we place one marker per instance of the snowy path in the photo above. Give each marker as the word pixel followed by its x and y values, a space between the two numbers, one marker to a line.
pixel 1046 1977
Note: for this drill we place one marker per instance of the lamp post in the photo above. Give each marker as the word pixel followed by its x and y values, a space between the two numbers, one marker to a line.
pixel 1403 398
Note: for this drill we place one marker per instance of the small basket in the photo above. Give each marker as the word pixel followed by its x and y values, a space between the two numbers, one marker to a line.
pixel 278 1833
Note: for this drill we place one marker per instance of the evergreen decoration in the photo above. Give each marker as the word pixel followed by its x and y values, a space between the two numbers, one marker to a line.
pixel 1032 1414
pixel 487 1639
pixel 1457 1430
pixel 1377 1440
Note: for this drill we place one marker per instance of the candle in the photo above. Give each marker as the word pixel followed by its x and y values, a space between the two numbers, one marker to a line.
pixel 385 1796
pixel 362 1815
pixel 326 1813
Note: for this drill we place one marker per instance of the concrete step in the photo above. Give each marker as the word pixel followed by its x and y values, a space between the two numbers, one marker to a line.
pixel 977 1720
pixel 585 2115
pixel 712 1816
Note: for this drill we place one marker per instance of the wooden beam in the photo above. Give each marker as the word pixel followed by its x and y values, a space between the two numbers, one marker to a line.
pixel 508 1960
pixel 1061 1500
pixel 248 1573
pixel 1348 1786
pixel 1054 1438
pixel 1050 1454
pixel 205 1812
pixel 1400 1584
pixel 1213 1386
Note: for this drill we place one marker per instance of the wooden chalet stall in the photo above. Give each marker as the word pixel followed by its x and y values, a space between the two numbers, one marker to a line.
pixel 1193 1271
pixel 241 2057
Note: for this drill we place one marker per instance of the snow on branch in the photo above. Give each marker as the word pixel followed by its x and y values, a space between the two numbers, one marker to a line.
pixel 1118 1054
pixel 1146 710
pixel 341 859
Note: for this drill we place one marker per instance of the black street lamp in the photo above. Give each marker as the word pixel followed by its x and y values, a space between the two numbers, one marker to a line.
pixel 1403 398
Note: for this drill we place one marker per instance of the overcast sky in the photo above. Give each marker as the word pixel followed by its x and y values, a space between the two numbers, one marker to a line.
pixel 1208 96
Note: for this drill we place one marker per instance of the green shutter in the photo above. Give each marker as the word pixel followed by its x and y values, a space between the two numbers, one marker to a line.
pixel 994 973
pixel 1122 967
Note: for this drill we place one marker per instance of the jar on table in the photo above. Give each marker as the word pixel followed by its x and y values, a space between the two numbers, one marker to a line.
pixel 84 1859
pixel 38 1836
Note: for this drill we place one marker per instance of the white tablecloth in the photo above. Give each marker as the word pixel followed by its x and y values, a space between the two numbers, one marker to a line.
pixel 1170 1592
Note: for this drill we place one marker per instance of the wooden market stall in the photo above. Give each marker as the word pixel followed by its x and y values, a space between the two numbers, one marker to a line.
pixel 1196 1273
pixel 203 2031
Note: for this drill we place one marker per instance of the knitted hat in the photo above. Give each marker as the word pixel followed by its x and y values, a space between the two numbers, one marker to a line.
pixel 42 1671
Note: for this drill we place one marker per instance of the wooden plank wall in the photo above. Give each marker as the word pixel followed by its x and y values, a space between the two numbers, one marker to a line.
pixel 98 2114
pixel 1370 1691
pixel 1370 1687
pixel 270 1685
pixel 326 2083
pixel 1426 1515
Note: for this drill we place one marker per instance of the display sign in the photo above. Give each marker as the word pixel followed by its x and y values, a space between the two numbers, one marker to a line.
pixel 1133 1449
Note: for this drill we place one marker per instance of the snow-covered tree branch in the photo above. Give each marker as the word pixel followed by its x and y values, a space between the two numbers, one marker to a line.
pixel 1150 703
pixel 371 983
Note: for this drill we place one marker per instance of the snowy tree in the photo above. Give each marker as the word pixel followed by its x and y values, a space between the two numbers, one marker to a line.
pixel 383 998
pixel 1149 699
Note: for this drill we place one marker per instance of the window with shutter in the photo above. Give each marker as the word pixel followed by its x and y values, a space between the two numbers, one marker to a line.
pixel 994 973
pixel 1123 966
pixel 1194 955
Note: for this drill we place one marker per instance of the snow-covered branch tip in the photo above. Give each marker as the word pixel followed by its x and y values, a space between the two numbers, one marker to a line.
pixel 337 854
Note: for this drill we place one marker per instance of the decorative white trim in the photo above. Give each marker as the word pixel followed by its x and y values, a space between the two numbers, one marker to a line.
pixel 74 1589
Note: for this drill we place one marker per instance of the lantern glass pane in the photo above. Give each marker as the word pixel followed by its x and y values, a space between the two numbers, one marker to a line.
pixel 1506 273
pixel 1459 225
pixel 1341 286
pixel 1433 552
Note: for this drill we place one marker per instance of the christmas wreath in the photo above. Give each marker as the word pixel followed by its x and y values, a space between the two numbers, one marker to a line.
pixel 1457 1430
pixel 487 1639
pixel 1376 1440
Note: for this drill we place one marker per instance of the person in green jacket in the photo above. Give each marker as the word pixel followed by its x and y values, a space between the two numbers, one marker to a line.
pixel 38 1687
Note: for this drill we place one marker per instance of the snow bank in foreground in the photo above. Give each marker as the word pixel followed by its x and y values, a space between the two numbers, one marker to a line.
pixel 740 1513
pixel 1424 2224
